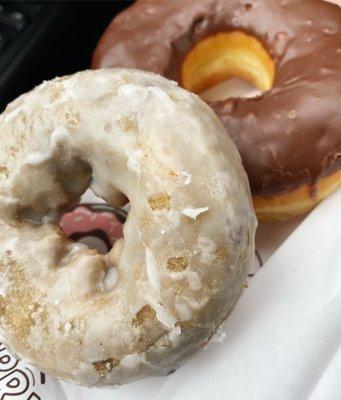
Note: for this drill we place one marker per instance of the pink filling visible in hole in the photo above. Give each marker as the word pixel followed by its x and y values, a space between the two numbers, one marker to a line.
pixel 95 225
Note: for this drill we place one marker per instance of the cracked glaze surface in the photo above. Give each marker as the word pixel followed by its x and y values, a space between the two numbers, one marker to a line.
pixel 163 290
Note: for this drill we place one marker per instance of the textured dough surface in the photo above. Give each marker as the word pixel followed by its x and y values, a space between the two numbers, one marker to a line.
pixel 160 294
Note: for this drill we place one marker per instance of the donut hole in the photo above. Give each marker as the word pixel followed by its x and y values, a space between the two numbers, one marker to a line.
pixel 94 223
pixel 226 56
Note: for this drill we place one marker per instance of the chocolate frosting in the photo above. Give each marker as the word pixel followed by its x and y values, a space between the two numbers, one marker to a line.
pixel 289 135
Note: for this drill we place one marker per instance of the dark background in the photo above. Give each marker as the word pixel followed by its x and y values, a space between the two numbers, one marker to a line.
pixel 40 40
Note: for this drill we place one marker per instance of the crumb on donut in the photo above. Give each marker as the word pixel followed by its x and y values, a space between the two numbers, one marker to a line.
pixel 221 255
pixel 4 171
pixel 187 177
pixel 145 313
pixel 172 174
pixel 188 324
pixel 67 327
pixel 127 123
pixel 105 366
pixel 164 342
pixel 100 302
pixel 33 307
pixel 159 201
pixel 177 264
pixel 194 212
pixel 2 305
pixel 71 119
pixel 57 92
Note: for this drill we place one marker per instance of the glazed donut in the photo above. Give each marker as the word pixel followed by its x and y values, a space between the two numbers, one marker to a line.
pixel 163 290
pixel 289 137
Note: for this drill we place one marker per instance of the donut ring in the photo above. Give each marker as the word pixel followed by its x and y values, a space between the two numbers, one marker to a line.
pixel 160 294
pixel 289 137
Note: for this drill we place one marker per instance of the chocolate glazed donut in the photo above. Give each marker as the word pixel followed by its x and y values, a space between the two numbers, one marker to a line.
pixel 289 137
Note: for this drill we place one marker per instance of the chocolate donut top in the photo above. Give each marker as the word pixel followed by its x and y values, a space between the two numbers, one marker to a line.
pixel 288 136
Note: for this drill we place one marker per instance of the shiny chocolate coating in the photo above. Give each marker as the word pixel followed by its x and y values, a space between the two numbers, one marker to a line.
pixel 288 136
